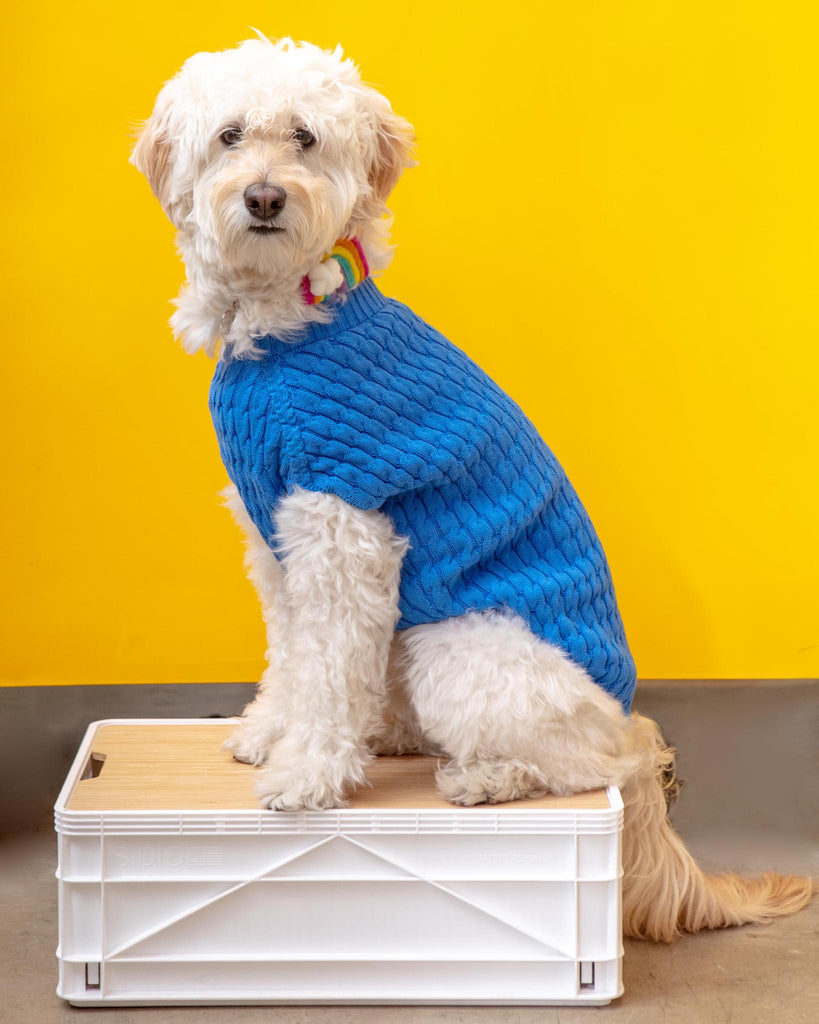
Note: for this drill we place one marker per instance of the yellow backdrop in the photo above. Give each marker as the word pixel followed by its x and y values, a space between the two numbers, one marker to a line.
pixel 615 213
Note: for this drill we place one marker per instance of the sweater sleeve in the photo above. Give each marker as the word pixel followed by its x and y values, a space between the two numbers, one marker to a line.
pixel 364 452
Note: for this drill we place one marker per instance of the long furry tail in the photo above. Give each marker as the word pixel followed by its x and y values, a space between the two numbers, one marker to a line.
pixel 664 892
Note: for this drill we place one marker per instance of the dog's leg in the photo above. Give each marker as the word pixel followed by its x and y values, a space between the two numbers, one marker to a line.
pixel 400 732
pixel 515 714
pixel 263 719
pixel 341 573
pixel 664 891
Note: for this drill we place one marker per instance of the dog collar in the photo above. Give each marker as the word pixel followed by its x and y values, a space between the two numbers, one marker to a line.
pixel 340 271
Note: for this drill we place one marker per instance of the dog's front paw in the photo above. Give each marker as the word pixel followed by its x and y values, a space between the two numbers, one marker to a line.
pixel 300 785
pixel 248 744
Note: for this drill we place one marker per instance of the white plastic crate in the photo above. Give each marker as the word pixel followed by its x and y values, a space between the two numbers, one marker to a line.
pixel 176 889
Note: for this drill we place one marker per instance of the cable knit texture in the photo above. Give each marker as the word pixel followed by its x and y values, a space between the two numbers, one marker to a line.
pixel 378 408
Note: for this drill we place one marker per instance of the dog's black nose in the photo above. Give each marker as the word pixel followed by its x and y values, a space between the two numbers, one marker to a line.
pixel 265 201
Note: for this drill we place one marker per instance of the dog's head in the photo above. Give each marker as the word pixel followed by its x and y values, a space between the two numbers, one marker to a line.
pixel 265 154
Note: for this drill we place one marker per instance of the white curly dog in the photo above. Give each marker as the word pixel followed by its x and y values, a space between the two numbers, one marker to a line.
pixel 263 157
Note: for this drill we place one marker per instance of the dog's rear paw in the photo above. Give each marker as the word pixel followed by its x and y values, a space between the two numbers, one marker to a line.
pixel 488 782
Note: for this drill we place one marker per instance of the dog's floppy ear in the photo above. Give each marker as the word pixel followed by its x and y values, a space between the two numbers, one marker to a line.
pixel 151 154
pixel 388 150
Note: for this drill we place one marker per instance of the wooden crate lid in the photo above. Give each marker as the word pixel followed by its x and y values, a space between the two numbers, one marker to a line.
pixel 153 767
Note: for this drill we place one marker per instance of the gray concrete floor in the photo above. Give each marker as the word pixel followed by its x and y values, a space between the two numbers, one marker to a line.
pixel 748 753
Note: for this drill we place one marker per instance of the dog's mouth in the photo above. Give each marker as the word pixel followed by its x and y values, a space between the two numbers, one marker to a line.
pixel 264 229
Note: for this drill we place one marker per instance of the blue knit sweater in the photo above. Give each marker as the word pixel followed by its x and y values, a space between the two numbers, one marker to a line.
pixel 381 410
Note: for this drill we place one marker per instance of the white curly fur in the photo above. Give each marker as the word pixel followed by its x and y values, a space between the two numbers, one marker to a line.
pixel 335 188
pixel 333 665
pixel 513 715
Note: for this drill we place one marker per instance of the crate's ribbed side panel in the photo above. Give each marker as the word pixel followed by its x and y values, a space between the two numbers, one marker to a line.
pixel 478 822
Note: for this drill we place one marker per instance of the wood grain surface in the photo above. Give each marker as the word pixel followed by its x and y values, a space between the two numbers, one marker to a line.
pixel 155 767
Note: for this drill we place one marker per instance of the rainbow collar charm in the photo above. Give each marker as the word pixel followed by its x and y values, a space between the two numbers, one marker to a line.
pixel 340 271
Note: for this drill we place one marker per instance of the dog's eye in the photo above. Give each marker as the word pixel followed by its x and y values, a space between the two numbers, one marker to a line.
pixel 231 137
pixel 304 137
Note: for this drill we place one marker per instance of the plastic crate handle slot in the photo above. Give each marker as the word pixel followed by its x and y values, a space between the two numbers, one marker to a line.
pixel 586 969
pixel 93 766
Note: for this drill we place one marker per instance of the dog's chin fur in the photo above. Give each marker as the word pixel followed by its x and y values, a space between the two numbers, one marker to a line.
pixel 337 187
pixel 255 308
pixel 513 715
